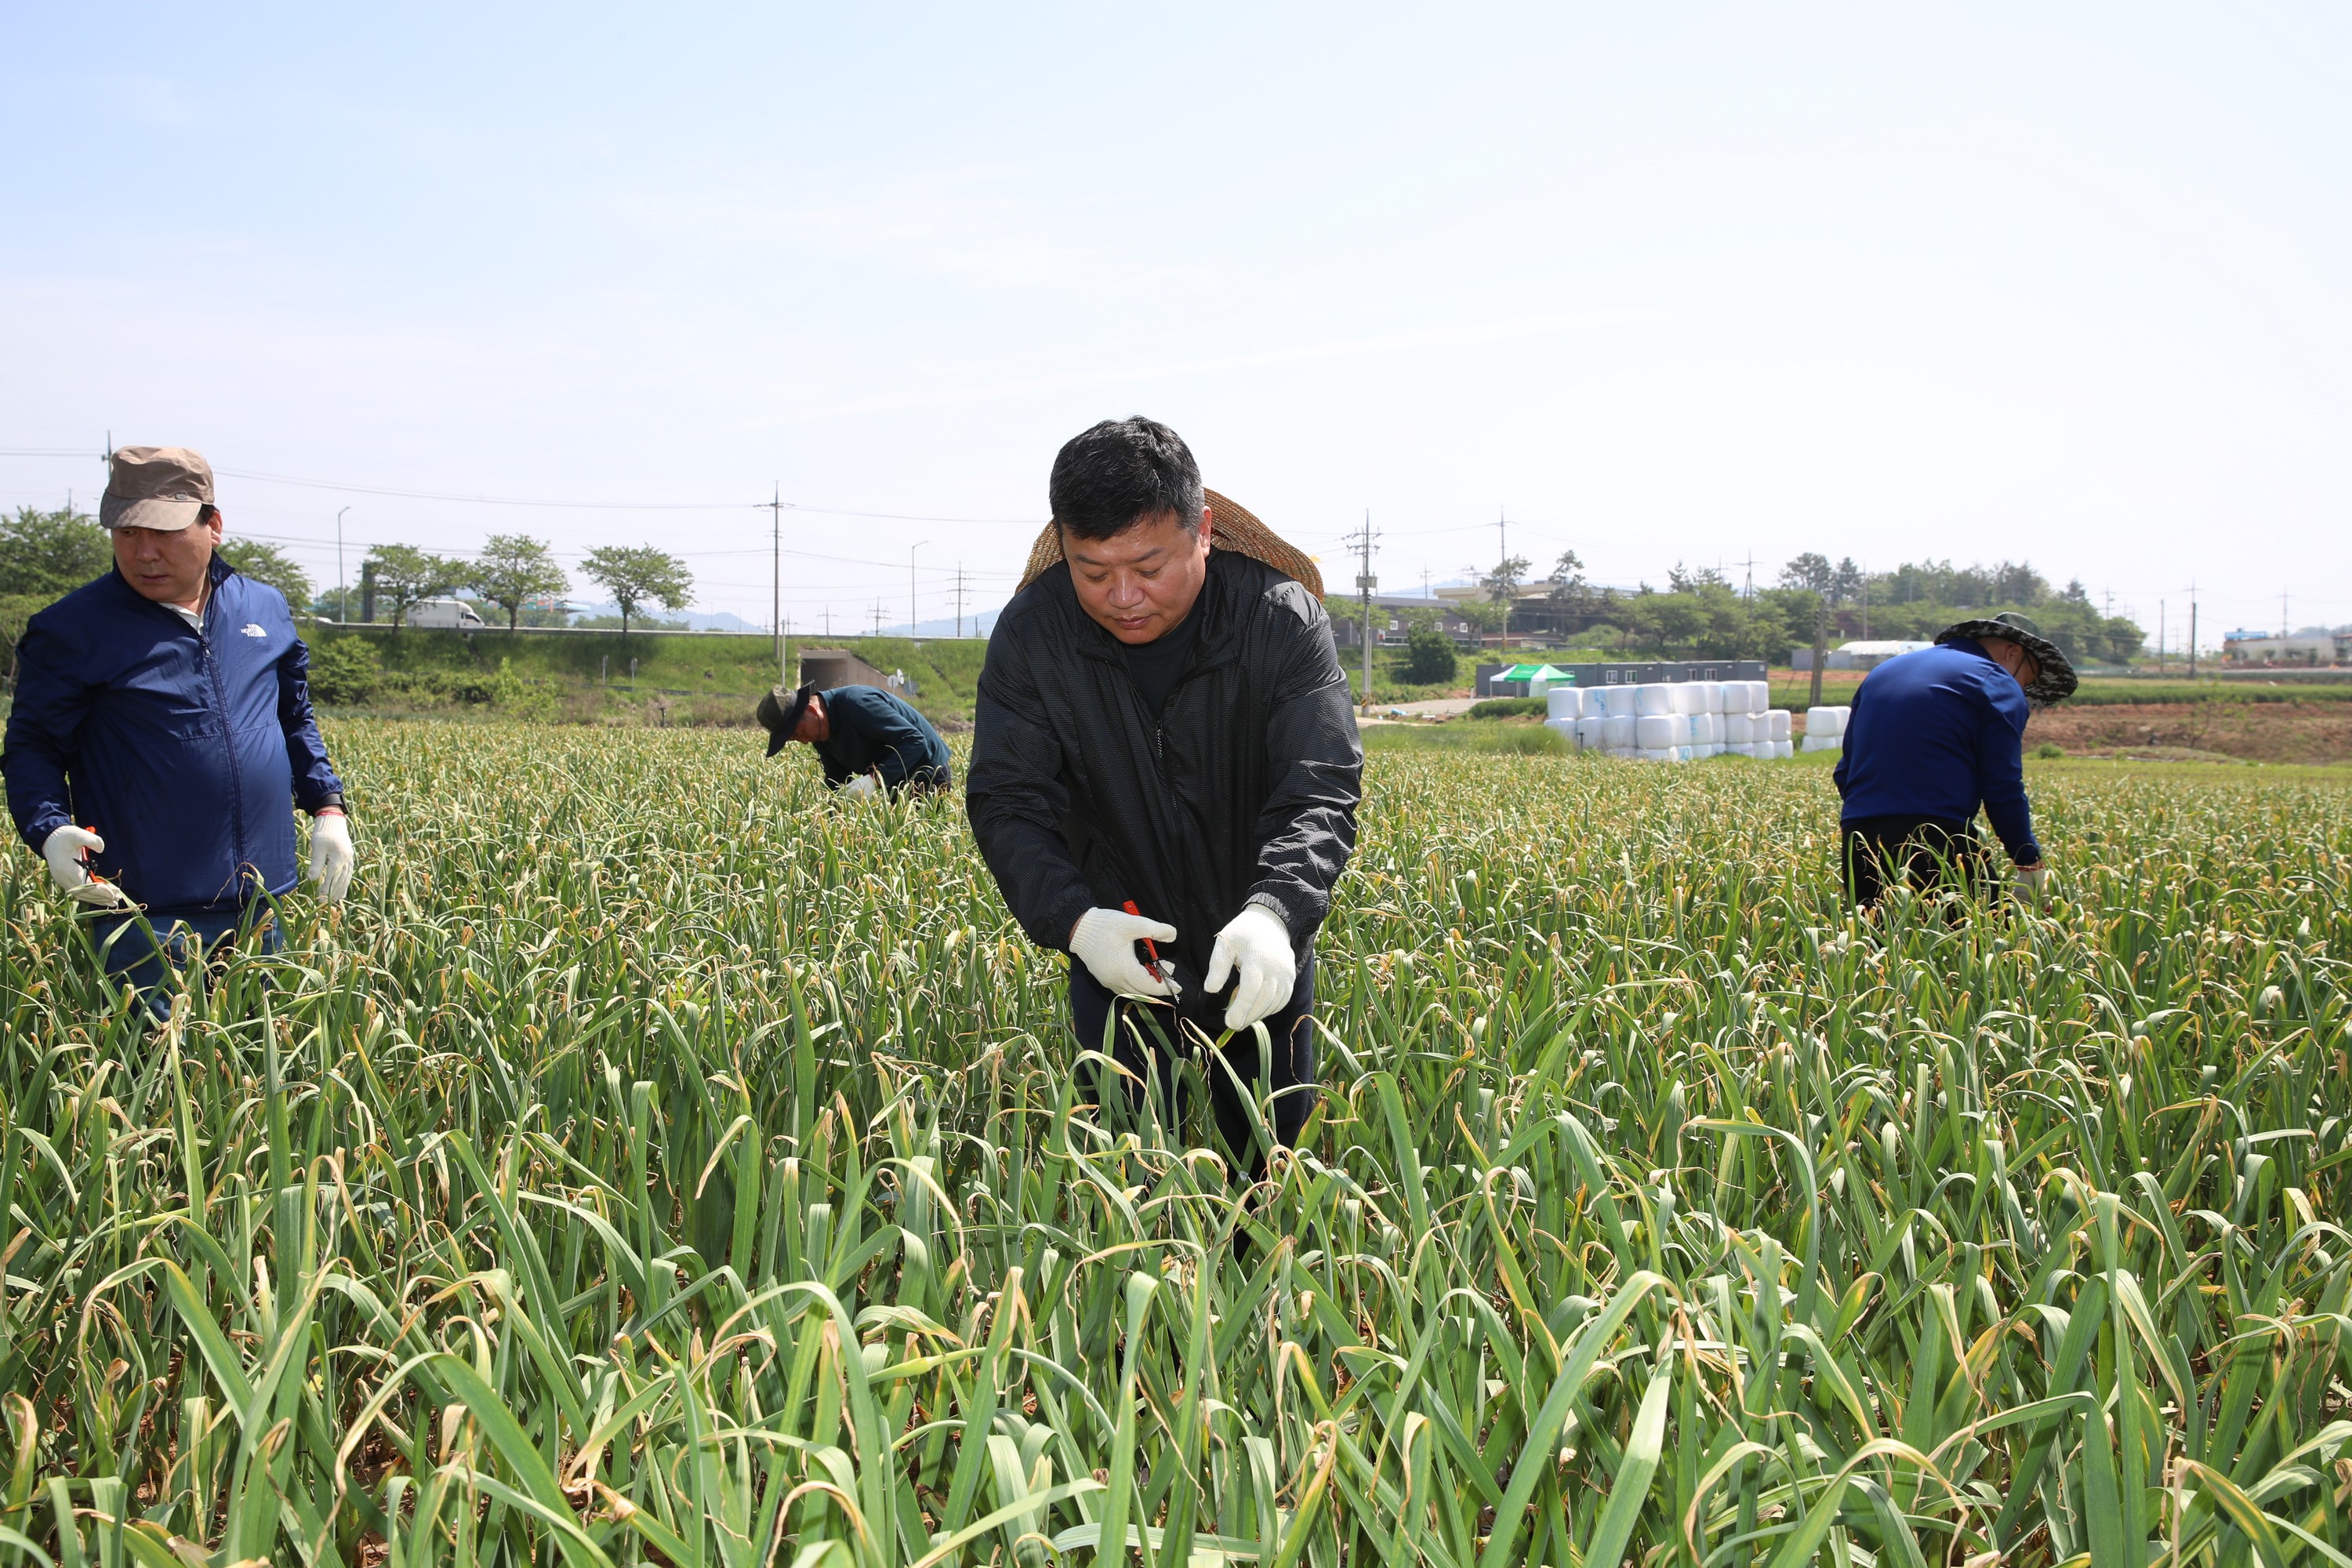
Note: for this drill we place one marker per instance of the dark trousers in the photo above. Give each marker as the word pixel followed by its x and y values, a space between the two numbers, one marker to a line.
pixel 1149 1042
pixel 140 953
pixel 1929 852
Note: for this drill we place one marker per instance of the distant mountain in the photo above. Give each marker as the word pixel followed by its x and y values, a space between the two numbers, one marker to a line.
pixel 701 620
pixel 975 625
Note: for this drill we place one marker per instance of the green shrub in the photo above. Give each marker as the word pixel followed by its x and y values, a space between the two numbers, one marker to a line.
pixel 1511 708
pixel 345 671
pixel 1429 656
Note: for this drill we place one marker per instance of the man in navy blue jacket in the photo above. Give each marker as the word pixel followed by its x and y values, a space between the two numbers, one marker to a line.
pixel 161 733
pixel 1934 734
pixel 867 738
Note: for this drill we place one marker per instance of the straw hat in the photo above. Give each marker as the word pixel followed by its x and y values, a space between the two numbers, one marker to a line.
pixel 1232 527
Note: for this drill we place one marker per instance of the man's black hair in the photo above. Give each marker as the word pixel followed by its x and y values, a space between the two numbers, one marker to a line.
pixel 1121 472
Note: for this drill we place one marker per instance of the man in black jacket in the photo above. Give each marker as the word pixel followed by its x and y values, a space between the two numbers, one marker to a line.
pixel 1165 754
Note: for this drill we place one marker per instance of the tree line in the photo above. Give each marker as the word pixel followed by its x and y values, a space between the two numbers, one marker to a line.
pixel 46 555
pixel 1700 613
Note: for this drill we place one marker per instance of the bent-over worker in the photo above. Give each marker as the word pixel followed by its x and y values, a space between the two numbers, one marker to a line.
pixel 868 740
pixel 1935 734
pixel 1166 753
pixel 161 734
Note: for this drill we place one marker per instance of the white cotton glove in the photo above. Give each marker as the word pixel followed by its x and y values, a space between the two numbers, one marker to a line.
pixel 331 857
pixel 1104 941
pixel 862 784
pixel 2028 880
pixel 63 849
pixel 1256 944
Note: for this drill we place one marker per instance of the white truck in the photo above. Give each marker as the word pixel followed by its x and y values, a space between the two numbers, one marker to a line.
pixel 445 615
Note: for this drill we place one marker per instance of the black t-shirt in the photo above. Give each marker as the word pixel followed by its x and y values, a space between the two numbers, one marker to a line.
pixel 1157 666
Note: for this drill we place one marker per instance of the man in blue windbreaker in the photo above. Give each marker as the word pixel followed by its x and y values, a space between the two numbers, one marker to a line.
pixel 1935 734
pixel 161 734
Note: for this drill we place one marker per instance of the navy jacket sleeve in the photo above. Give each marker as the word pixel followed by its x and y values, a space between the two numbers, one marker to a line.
pixel 43 725
pixel 2000 773
pixel 1308 828
pixel 1017 801
pixel 314 779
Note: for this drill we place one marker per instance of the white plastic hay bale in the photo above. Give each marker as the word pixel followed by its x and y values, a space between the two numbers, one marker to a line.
pixel 1620 730
pixel 1823 743
pixel 1757 696
pixel 1710 696
pixel 1564 702
pixel 1824 723
pixel 1564 727
pixel 1652 698
pixel 1784 749
pixel 1655 731
pixel 1776 726
pixel 1591 732
pixel 1707 729
pixel 1845 718
pixel 1739 729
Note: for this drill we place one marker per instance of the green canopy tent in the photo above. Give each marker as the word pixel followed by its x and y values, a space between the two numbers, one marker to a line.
pixel 1539 677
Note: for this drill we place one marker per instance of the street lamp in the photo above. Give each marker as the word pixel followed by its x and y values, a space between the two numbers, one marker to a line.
pixel 911 586
pixel 342 586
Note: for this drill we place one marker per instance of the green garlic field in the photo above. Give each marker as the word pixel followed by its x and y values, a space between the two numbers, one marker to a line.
pixel 655 1163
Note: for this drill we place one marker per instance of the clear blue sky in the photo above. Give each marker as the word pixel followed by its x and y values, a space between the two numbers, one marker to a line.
pixel 1696 282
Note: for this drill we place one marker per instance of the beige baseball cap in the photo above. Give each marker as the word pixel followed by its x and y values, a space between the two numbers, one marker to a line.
pixel 162 488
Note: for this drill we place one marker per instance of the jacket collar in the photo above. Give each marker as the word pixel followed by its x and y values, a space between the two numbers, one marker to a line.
pixel 215 574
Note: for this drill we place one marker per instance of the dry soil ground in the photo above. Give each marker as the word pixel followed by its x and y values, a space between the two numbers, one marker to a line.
pixel 2242 731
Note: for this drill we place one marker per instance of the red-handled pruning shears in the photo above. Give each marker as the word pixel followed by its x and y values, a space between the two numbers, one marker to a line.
pixel 1150 947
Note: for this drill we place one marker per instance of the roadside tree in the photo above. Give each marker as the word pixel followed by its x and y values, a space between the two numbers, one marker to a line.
pixel 639 576
pixel 514 569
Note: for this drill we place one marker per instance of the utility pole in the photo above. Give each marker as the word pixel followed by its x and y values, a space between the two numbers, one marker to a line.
pixel 1365 583
pixel 877 618
pixel 1749 590
pixel 2192 628
pixel 1821 644
pixel 959 593
pixel 2159 636
pixel 911 622
pixel 828 622
pixel 342 583
pixel 1424 584
pixel 2282 627
pixel 776 578
pixel 1866 600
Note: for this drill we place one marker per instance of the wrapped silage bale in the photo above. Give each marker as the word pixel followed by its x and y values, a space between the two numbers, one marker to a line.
pixel 1591 732
pixel 1755 697
pixel 1656 753
pixel 1564 702
pixel 1823 743
pixel 1656 731
pixel 1776 726
pixel 1705 729
pixel 1739 729
pixel 1824 723
pixel 1620 730
pixel 1706 696
pixel 1654 699
pixel 1565 729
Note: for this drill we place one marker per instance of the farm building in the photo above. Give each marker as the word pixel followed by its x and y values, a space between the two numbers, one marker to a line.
pixel 1857 655
pixel 2311 646
pixel 1391 620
